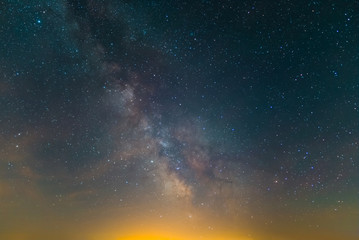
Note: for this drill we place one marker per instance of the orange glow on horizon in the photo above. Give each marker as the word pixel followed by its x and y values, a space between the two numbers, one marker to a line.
pixel 168 238
pixel 159 237
pixel 147 237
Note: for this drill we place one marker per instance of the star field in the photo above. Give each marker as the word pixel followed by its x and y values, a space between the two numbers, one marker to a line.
pixel 179 120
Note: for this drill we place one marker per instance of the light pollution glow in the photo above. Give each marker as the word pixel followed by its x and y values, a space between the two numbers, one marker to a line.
pixel 181 223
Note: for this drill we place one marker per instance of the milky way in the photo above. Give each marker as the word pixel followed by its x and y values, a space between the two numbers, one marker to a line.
pixel 179 120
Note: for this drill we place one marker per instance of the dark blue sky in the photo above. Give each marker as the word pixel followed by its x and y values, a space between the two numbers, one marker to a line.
pixel 244 110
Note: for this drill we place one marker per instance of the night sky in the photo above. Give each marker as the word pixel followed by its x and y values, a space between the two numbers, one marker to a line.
pixel 179 120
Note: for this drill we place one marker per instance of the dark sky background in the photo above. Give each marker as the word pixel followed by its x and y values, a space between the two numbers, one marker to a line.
pixel 179 120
